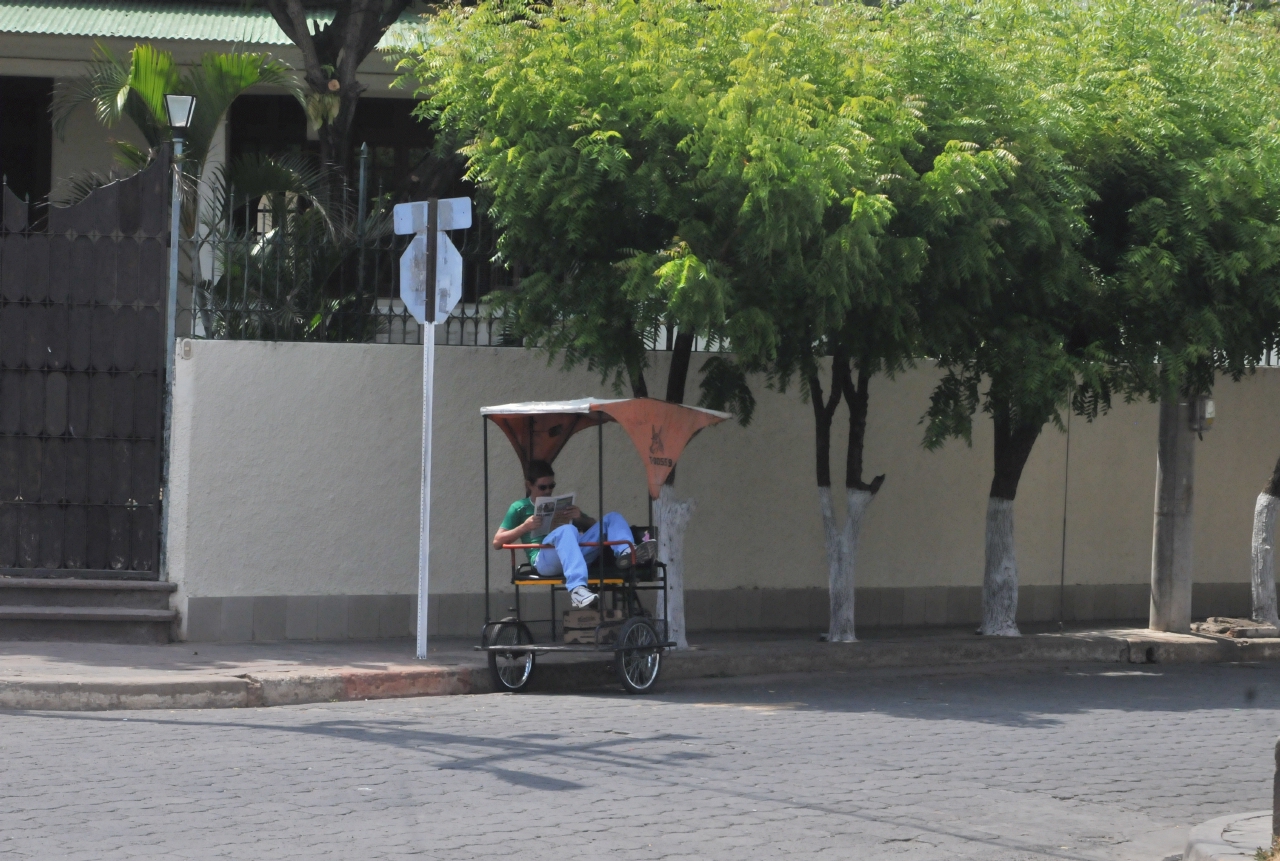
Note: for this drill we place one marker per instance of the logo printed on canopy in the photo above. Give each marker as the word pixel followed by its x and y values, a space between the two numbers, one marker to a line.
pixel 659 431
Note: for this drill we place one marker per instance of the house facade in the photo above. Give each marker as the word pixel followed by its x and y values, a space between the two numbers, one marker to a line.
pixel 51 41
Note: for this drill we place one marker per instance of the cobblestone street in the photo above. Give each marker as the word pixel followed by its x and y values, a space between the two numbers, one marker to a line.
pixel 1090 762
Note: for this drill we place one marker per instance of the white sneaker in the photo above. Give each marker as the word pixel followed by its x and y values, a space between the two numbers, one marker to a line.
pixel 581 597
pixel 646 552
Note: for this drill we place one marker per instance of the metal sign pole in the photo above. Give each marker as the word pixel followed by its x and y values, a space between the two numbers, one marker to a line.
pixel 428 379
pixel 430 286
pixel 424 525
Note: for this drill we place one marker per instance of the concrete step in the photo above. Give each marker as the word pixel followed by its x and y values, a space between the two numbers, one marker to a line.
pixel 87 614
pixel 86 624
pixel 85 593
pixel 39 592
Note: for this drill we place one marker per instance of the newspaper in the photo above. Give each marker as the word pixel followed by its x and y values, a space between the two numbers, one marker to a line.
pixel 553 511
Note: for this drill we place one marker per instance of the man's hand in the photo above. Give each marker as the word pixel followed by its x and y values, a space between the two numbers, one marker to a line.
pixel 580 521
pixel 529 525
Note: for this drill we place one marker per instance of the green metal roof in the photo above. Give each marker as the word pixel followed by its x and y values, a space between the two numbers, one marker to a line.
pixel 205 22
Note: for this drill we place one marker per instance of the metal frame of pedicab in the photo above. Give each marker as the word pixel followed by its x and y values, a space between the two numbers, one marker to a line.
pixel 539 431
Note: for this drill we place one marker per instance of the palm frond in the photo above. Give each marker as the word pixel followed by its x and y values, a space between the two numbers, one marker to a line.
pixel 104 88
pixel 251 177
pixel 152 74
pixel 218 81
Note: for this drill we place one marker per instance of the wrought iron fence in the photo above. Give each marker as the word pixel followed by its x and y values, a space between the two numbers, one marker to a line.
pixel 278 271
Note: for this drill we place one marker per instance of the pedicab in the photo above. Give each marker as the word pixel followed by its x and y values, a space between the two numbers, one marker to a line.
pixel 625 626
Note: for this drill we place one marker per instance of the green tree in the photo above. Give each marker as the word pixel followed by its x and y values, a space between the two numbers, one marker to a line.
pixel 563 117
pixel 1010 308
pixel 653 164
pixel 1175 105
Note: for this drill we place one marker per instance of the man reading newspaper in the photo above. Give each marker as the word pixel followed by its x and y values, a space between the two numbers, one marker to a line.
pixel 565 555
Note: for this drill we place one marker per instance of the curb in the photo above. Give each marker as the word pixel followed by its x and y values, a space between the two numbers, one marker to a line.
pixel 345 684
pixel 1229 838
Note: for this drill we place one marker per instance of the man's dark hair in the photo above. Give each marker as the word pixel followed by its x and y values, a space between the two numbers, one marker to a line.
pixel 537 469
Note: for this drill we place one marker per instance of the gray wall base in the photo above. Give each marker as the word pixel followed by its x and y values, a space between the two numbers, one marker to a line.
pixel 366 617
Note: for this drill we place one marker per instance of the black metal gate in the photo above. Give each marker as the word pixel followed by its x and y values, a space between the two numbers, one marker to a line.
pixel 81 353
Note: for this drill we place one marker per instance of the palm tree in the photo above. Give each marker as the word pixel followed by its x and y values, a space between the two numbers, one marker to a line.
pixel 135 90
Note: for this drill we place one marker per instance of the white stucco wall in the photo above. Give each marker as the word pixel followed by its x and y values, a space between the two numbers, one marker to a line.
pixel 296 474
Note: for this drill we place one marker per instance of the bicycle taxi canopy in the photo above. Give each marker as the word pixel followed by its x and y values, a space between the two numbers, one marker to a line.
pixel 539 430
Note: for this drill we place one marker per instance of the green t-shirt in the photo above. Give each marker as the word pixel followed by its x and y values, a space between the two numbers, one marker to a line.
pixel 520 511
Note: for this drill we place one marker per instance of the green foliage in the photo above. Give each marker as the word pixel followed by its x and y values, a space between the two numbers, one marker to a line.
pixel 1057 203
pixel 1175 108
pixel 1134 248
pixel 117 89
pixel 724 386
pixel 667 162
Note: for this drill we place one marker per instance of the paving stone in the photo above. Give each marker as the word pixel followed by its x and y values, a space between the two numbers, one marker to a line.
pixel 995 765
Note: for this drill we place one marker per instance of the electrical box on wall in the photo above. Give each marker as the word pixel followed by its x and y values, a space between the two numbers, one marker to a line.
pixel 1202 419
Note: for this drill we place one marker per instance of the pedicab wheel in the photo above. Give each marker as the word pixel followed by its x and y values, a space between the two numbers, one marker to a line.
pixel 511 670
pixel 638 655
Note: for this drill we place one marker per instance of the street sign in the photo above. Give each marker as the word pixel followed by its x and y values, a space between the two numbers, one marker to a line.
pixel 454 214
pixel 413 277
pixel 448 278
pixel 415 272
pixel 430 267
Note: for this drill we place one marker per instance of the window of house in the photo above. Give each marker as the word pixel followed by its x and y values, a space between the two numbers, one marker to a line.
pixel 26 135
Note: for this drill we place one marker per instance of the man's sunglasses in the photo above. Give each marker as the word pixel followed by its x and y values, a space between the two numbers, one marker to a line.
pixel 551 486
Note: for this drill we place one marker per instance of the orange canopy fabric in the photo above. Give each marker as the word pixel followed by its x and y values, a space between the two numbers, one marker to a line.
pixel 538 430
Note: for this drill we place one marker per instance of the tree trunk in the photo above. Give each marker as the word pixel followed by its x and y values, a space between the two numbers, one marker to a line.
pixel 672 516
pixel 1264 557
pixel 331 57
pixel 1171 546
pixel 1013 443
pixel 1000 576
pixel 842 545
pixel 678 373
pixel 842 560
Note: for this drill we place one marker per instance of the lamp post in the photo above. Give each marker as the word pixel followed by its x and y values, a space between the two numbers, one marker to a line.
pixel 180 110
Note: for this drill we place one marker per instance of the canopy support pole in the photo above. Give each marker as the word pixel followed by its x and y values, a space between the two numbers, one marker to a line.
pixel 484 433
pixel 600 489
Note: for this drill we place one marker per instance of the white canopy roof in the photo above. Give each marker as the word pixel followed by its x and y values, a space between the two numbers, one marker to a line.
pixel 577 405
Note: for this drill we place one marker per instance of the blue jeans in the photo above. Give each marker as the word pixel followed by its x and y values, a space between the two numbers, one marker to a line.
pixel 570 558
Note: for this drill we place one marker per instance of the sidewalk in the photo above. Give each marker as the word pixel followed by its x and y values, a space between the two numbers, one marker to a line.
pixel 1229 838
pixel 90 676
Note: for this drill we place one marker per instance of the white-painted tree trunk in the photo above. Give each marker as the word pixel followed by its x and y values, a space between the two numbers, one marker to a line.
pixel 672 519
pixel 1264 559
pixel 842 560
pixel 1000 578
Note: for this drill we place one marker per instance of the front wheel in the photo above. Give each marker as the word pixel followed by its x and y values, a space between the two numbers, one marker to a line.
pixel 511 669
pixel 638 656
